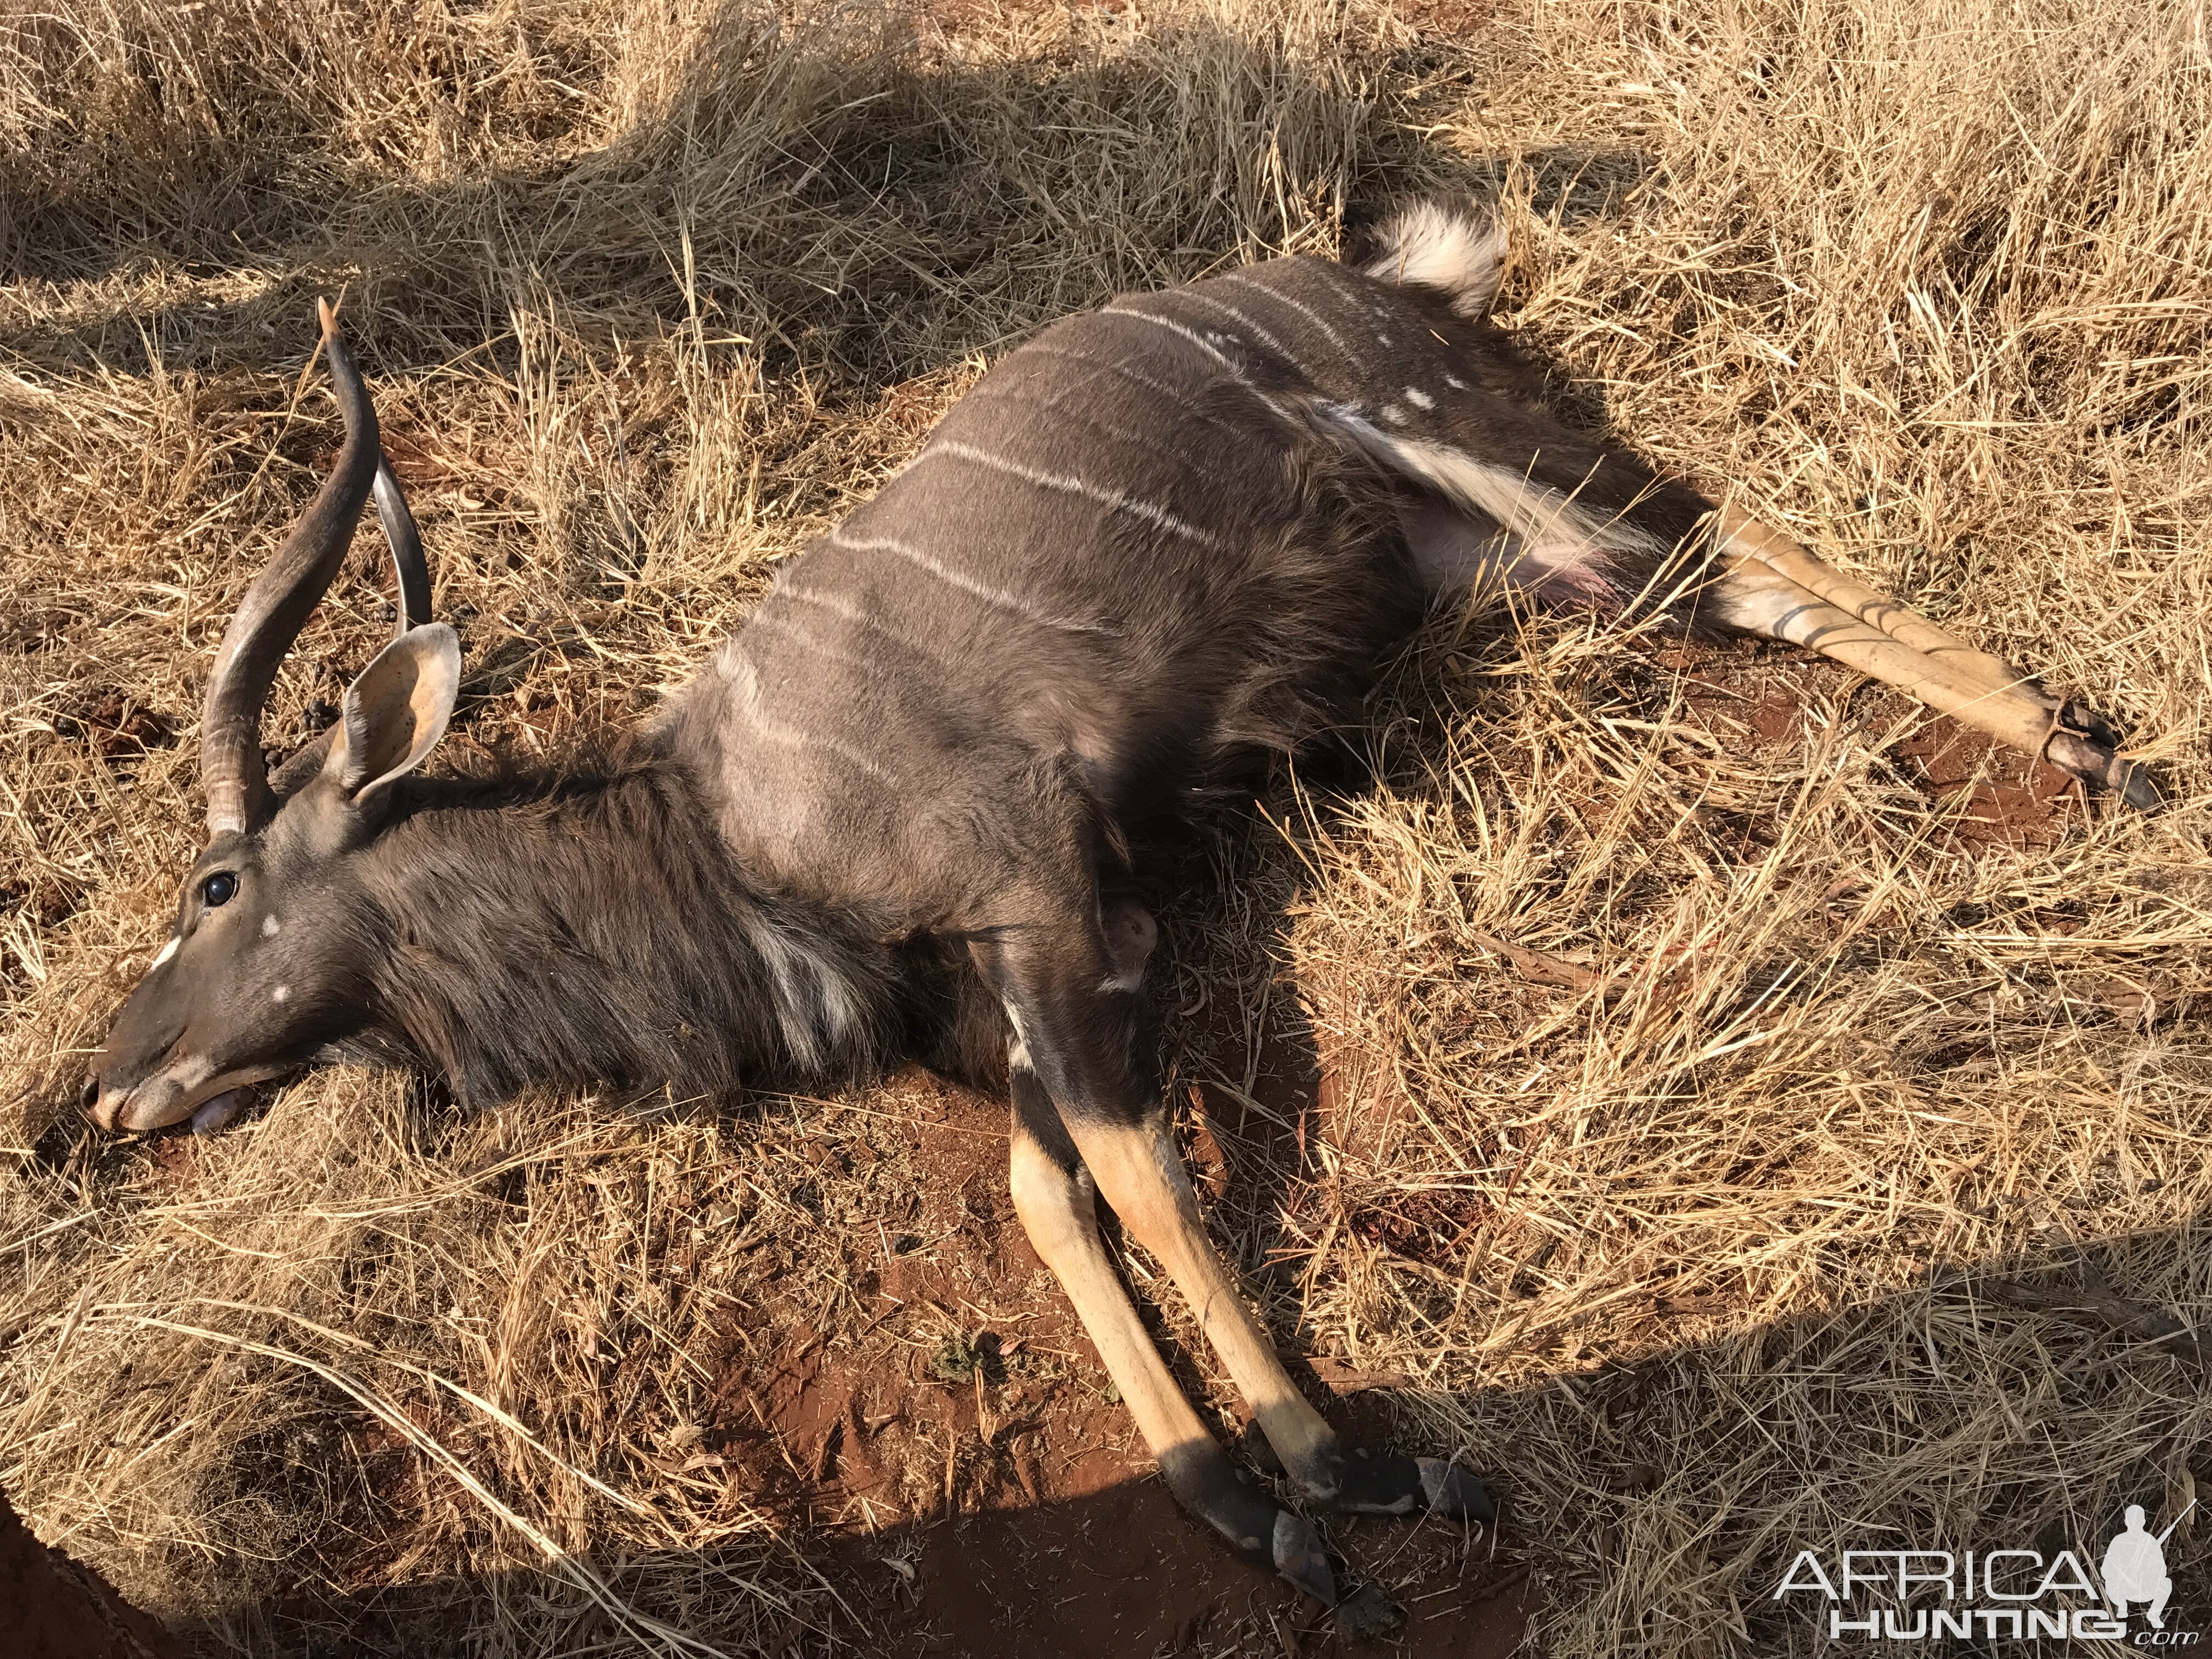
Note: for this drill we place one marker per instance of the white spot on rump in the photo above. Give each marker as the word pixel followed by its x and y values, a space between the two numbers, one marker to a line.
pixel 282 993
pixel 1418 398
pixel 1455 383
pixel 271 927
pixel 1395 414
pixel 166 951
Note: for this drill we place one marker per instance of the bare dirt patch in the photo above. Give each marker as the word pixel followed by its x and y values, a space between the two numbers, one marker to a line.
pixel 956 1459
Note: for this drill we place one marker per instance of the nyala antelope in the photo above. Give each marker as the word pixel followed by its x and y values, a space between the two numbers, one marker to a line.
pixel 904 810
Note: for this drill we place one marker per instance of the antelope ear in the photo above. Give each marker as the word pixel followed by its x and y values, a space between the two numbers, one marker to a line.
pixel 397 711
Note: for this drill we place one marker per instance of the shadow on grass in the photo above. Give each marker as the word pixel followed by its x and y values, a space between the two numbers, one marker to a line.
pixel 1119 1573
pixel 846 200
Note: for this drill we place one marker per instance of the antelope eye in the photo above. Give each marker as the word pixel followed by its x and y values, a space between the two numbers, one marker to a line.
pixel 219 888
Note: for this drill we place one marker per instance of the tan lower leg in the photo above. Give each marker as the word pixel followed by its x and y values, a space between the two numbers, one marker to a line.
pixel 1141 1174
pixel 1055 1204
pixel 1056 1208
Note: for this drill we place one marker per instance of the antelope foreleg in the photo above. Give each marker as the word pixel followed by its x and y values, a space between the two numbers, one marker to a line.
pixel 1141 1174
pixel 1053 1195
pixel 1087 1109
pixel 1777 587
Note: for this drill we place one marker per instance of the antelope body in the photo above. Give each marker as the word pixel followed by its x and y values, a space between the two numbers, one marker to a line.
pixel 903 809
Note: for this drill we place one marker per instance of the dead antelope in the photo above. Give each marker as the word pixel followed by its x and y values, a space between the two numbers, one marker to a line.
pixel 904 810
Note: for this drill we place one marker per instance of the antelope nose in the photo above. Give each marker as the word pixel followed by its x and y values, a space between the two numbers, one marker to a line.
pixel 100 1105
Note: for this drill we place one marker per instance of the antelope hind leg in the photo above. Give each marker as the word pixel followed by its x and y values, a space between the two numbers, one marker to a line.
pixel 1778 588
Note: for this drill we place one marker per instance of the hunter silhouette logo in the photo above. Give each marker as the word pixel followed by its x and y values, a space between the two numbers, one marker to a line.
pixel 1999 1595
pixel 2134 1568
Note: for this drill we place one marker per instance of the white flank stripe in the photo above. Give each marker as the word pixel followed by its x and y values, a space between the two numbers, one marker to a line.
pixel 944 573
pixel 1189 334
pixel 1242 321
pixel 797 629
pixel 1098 423
pixel 1298 306
pixel 1160 388
pixel 732 660
pixel 851 613
pixel 1068 484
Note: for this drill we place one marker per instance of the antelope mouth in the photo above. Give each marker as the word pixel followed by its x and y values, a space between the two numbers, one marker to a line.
pixel 162 1102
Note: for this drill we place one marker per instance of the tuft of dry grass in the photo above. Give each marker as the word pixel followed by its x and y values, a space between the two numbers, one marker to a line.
pixel 1735 1234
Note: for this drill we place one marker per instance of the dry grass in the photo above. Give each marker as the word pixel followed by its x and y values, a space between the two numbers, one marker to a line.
pixel 1709 1262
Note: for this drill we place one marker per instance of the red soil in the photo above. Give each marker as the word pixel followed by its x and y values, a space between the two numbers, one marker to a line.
pixel 2007 799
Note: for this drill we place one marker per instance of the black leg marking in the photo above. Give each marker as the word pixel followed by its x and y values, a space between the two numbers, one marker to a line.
pixel 1388 1483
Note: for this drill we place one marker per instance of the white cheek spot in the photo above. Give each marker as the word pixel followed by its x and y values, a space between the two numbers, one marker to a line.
pixel 1455 383
pixel 1383 339
pixel 270 925
pixel 168 951
pixel 1395 414
pixel 1418 398
pixel 282 993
